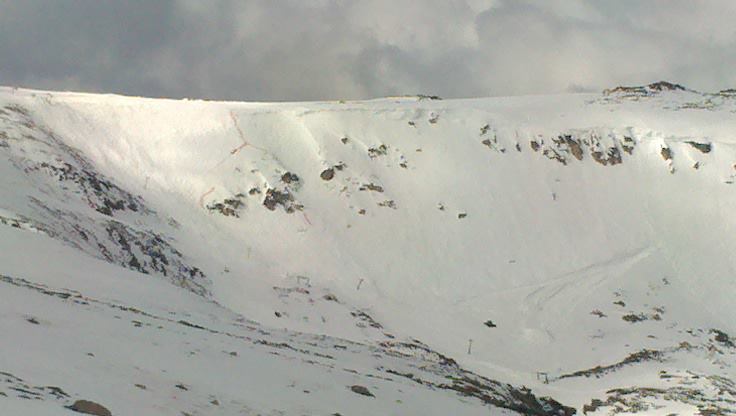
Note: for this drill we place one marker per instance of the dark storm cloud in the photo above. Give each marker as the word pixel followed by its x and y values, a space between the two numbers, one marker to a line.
pixel 327 49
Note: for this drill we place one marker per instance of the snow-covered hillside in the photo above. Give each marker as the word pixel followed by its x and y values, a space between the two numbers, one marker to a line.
pixel 396 256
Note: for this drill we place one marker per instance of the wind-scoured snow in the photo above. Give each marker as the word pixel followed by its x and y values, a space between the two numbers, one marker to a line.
pixel 578 245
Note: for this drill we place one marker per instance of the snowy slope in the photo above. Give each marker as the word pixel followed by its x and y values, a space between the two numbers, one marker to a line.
pixel 587 237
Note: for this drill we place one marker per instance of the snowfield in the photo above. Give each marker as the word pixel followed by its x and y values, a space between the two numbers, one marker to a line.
pixel 537 255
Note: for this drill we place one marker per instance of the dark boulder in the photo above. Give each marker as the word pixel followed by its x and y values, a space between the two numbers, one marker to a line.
pixel 327 174
pixel 361 390
pixel 90 408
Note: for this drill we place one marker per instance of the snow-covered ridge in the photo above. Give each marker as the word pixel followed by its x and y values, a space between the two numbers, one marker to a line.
pixel 516 235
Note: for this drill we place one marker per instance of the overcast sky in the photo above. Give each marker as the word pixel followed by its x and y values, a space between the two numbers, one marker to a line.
pixel 330 49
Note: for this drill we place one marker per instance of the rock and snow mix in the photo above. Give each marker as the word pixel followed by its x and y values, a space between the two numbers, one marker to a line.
pixel 525 255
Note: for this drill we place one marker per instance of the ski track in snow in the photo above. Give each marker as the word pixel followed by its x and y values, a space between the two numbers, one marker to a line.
pixel 586 277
